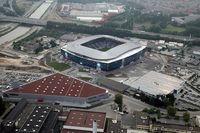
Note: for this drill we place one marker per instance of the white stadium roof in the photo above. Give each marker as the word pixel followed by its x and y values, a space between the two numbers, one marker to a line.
pixel 124 50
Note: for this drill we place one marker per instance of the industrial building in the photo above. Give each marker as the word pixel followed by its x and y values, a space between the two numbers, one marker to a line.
pixel 30 118
pixel 155 83
pixel 143 122
pixel 59 89
pixel 80 121
pixel 91 12
pixel 104 52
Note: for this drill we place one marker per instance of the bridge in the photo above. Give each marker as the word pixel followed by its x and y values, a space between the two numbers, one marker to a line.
pixel 23 20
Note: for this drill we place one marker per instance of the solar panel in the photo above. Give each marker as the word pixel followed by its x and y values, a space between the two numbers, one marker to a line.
pixel 36 119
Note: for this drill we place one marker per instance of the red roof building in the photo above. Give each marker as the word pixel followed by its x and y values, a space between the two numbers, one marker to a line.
pixel 79 121
pixel 61 89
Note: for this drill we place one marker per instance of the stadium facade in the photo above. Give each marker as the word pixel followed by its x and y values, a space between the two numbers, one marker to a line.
pixel 104 52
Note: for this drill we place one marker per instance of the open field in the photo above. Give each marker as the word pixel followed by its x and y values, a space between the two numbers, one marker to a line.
pixel 58 66
pixel 171 29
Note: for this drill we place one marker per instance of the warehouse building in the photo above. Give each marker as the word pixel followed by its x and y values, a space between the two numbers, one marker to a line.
pixel 155 83
pixel 31 118
pixel 59 89
pixel 80 121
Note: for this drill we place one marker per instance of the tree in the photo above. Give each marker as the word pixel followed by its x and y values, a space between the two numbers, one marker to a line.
pixel 6 4
pixel 2 106
pixel 169 100
pixel 119 101
pixel 182 52
pixel 39 49
pixel 171 111
pixel 186 116
pixel 53 44
pixel 158 114
pixel 16 46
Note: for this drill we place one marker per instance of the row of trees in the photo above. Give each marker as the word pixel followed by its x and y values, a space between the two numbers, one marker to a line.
pixel 2 106
pixel 94 30
pixel 72 27
pixel 18 10
pixel 7 11
pixel 119 101
pixel 171 111
pixel 126 19
pixel 158 101
pixel 6 4
pixel 44 32
pixel 192 28
pixel 56 29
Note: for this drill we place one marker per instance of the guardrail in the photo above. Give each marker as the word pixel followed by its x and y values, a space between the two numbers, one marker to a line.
pixel 23 20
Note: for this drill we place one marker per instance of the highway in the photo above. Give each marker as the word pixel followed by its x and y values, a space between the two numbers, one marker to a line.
pixel 41 10
pixel 23 20
pixel 22 30
pixel 14 34
pixel 35 19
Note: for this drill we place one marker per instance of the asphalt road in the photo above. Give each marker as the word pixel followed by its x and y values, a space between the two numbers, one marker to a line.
pixel 131 103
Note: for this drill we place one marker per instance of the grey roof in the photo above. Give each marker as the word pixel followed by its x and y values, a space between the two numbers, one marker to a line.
pixel 156 83
pixel 17 110
pixel 127 46
pixel 114 126
pixel 50 122
pixel 111 84
pixel 131 120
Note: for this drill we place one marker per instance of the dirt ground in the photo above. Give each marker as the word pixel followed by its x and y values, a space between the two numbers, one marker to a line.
pixel 16 62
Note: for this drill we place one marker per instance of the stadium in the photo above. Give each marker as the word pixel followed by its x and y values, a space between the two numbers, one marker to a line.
pixel 104 52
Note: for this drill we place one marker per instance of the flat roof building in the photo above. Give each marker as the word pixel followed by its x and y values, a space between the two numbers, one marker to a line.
pixel 80 121
pixel 111 84
pixel 36 119
pixel 198 120
pixel 155 83
pixel 32 119
pixel 143 121
pixel 60 89
pixel 114 126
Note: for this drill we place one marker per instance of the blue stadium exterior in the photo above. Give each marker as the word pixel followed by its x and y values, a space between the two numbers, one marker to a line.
pixel 85 61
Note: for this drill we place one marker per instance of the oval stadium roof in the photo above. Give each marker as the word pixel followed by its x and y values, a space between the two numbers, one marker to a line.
pixel 127 48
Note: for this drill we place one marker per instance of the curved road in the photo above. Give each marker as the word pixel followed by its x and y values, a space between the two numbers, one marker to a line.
pixel 22 30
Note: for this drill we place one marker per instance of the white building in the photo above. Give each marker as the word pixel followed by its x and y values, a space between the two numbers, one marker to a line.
pixel 198 120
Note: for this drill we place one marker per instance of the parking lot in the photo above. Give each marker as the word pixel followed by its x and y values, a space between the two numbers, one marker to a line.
pixel 12 79
pixel 187 98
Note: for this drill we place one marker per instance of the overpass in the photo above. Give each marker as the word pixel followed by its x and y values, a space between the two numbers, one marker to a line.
pixel 23 20
pixel 39 22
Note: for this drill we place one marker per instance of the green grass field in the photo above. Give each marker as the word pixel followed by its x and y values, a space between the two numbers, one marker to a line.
pixel 58 66
pixel 105 49
pixel 172 29
pixel 85 78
